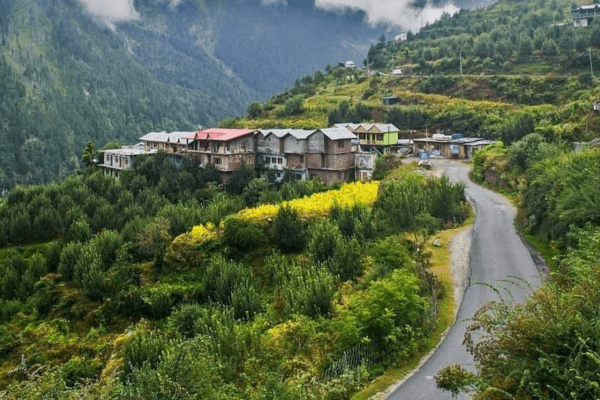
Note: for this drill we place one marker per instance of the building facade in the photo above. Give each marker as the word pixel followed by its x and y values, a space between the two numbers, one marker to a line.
pixel 117 160
pixel 227 149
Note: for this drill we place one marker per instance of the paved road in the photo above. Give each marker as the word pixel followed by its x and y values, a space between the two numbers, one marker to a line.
pixel 497 253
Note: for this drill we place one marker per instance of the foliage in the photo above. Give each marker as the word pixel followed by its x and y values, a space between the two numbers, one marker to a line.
pixel 547 348
pixel 405 205
pixel 241 236
pixel 384 164
pixel 390 312
pixel 289 232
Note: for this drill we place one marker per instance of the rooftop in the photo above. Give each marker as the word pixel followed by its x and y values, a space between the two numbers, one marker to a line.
pixel 219 134
pixel 277 132
pixel 129 151
pixel 163 136
pixel 338 133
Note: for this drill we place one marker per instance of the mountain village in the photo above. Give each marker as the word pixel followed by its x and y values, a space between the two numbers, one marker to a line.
pixel 338 154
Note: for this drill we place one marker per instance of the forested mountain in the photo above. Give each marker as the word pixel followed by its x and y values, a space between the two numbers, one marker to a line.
pixel 68 77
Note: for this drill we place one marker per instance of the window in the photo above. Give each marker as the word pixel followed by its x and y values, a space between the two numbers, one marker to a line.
pixel 301 159
pixel 340 144
pixel 217 160
pixel 380 137
pixel 280 161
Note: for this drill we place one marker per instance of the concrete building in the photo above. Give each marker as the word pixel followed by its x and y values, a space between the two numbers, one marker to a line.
pixel 584 15
pixel 174 142
pixel 445 146
pixel 329 155
pixel 117 160
pixel 227 149
pixel 382 138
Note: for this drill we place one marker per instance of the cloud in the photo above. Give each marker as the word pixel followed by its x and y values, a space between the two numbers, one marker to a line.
pixel 111 11
pixel 394 12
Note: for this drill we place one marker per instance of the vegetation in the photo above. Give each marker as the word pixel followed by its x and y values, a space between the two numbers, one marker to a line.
pixel 548 347
pixel 274 299
pixel 67 77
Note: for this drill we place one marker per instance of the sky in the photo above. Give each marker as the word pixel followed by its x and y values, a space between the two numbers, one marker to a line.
pixel 400 13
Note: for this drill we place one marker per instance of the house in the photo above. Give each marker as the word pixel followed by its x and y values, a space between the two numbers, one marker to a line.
pixel 382 138
pixel 329 155
pixel 350 64
pixel 174 142
pixel 227 149
pixel 472 147
pixel 437 144
pixel 584 15
pixel 596 106
pixel 270 150
pixel 401 37
pixel 445 146
pixel 117 160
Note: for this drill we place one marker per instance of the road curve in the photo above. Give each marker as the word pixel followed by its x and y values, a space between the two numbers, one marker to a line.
pixel 497 254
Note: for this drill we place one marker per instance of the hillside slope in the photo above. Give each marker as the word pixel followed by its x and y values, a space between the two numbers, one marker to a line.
pixel 68 77
pixel 480 73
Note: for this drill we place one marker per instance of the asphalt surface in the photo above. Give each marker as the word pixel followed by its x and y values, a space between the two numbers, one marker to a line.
pixel 498 258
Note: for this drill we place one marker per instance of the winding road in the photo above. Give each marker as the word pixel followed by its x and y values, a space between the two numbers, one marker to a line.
pixel 498 257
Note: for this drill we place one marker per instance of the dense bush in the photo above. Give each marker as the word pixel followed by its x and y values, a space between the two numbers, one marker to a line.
pixel 289 232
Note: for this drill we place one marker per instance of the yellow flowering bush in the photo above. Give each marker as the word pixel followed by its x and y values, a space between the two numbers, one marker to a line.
pixel 189 248
pixel 318 205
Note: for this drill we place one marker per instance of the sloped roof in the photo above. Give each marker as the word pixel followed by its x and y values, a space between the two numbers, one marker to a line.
pixel 386 127
pixel 338 133
pixel 277 132
pixel 347 125
pixel 301 133
pixel 165 137
pixel 218 134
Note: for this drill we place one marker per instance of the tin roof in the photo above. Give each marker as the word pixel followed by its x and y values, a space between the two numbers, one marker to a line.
pixel 218 134
pixel 338 133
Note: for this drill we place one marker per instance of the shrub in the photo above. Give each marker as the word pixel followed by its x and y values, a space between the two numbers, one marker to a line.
pixel 288 230
pixel 346 263
pixel 222 277
pixel 254 190
pixel 245 301
pixel 183 320
pixel 241 236
pixel 143 348
pixel 308 291
pixel 80 370
pixel 389 254
pixel 324 237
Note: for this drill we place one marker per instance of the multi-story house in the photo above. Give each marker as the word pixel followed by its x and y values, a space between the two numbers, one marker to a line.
pixel 117 160
pixel 382 138
pixel 270 150
pixel 227 149
pixel 171 143
pixel 329 155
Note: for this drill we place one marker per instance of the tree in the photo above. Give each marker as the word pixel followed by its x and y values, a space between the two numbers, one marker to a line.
pixel 90 155
pixel 155 239
pixel 288 230
pixel 254 110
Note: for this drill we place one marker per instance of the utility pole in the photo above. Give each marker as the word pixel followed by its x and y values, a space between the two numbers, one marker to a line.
pixel 460 61
pixel 591 65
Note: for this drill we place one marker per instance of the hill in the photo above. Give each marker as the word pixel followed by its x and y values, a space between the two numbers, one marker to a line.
pixel 476 72
pixel 68 77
